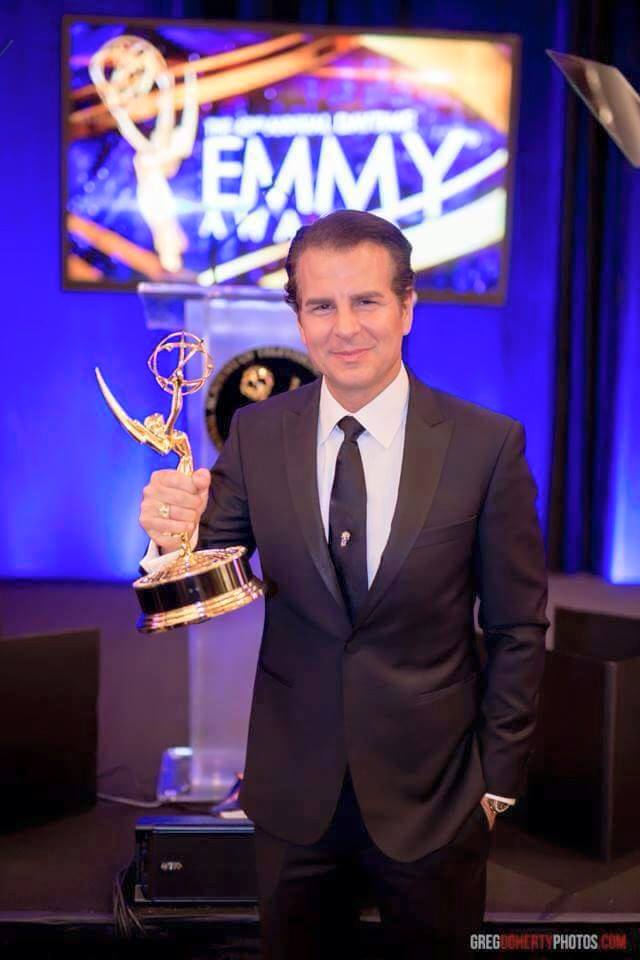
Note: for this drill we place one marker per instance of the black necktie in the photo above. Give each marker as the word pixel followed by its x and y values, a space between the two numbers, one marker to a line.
pixel 348 518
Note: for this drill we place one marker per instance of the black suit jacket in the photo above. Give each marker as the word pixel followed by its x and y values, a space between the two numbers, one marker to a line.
pixel 399 695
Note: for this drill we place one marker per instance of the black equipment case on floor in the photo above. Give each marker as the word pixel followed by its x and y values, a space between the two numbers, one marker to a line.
pixel 195 859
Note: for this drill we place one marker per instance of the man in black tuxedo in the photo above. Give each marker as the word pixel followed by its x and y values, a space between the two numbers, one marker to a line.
pixel 380 747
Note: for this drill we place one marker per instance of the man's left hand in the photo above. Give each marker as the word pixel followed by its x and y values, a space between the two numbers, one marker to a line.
pixel 489 813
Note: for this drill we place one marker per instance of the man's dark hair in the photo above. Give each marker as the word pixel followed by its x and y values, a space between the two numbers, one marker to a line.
pixel 344 230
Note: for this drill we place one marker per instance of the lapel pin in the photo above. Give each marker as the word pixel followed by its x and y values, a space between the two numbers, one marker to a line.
pixel 345 536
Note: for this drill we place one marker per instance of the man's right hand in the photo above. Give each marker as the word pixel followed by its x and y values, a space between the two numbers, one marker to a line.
pixel 172 504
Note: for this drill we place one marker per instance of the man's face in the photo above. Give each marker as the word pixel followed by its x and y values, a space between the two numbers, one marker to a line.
pixel 350 320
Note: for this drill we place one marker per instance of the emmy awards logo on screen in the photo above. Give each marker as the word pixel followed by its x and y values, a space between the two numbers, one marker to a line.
pixel 198 584
pixel 125 71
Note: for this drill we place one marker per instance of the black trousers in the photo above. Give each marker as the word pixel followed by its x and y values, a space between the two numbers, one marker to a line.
pixel 310 896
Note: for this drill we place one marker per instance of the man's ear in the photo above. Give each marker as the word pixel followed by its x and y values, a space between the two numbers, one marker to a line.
pixel 301 330
pixel 407 310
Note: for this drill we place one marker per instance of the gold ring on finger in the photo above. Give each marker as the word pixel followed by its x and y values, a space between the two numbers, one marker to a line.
pixel 164 509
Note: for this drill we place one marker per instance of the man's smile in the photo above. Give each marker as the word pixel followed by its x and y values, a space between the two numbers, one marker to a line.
pixel 350 354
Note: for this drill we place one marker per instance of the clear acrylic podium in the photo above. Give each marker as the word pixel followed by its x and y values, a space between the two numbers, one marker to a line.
pixel 222 652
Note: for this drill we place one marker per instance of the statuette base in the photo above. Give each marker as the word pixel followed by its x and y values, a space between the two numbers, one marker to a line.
pixel 196 587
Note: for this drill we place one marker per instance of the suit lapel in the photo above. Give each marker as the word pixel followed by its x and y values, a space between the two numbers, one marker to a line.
pixel 427 437
pixel 300 443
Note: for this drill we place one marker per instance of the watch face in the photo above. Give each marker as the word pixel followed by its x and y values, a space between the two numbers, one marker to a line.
pixel 251 377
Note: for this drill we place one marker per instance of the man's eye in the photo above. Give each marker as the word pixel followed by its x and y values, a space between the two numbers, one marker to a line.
pixel 367 302
pixel 321 307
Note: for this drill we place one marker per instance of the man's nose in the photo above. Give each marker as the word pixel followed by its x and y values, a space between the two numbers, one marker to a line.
pixel 346 322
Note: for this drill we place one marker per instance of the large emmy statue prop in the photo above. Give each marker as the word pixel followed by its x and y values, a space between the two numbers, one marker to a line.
pixel 128 72
pixel 198 584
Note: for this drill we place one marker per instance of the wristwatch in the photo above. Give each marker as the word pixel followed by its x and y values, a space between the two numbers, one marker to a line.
pixel 498 806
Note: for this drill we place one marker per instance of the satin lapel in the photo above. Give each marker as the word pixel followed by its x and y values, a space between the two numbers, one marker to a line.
pixel 427 437
pixel 300 442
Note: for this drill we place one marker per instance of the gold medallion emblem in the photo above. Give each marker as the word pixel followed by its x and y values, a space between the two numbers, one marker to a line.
pixel 257 382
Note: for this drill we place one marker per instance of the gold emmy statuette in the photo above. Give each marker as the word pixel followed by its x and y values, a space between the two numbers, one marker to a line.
pixel 197 585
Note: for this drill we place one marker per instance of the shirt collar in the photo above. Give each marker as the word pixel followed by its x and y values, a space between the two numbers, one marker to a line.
pixel 381 417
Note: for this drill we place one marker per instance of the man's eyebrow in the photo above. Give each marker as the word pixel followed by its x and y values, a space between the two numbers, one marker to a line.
pixel 313 301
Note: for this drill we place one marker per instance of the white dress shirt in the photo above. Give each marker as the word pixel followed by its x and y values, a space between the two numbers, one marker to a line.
pixel 381 448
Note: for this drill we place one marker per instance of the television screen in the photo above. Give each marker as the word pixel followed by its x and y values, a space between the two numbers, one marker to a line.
pixel 193 152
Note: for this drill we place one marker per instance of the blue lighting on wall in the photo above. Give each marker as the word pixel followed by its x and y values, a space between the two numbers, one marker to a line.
pixel 623 547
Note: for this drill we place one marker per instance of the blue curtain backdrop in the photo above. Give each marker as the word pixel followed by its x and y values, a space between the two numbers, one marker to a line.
pixel 594 514
pixel 70 479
